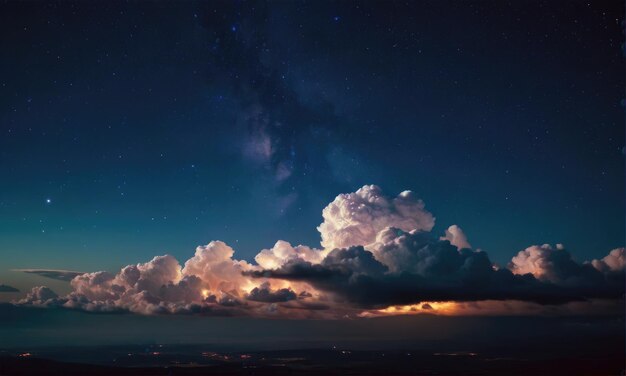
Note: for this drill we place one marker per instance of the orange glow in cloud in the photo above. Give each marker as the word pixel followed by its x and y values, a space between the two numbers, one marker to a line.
pixel 436 308
pixel 496 307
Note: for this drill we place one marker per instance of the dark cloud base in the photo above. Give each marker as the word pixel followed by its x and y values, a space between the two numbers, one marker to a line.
pixel 445 274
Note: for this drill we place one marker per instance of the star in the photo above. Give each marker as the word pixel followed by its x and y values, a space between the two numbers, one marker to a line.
pixel 48 201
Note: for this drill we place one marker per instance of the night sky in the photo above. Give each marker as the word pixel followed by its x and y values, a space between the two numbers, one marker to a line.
pixel 136 129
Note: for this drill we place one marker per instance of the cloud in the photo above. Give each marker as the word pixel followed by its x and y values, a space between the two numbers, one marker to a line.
pixel 214 264
pixel 613 262
pixel 40 296
pixel 411 267
pixel 266 295
pixel 356 218
pixel 543 262
pixel 456 237
pixel 556 265
pixel 368 267
pixel 157 286
pixel 62 275
pixel 7 288
pixel 283 252
pixel 596 307
pixel 417 252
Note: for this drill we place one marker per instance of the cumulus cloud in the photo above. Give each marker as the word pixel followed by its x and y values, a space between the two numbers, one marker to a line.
pixel 356 218
pixel 62 275
pixel 418 252
pixel 7 288
pixel 456 237
pixel 556 265
pixel 543 262
pixel 157 286
pixel 214 264
pixel 283 252
pixel 40 296
pixel 615 261
pixel 378 254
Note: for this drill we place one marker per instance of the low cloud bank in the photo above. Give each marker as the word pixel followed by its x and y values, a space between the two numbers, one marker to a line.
pixel 61 275
pixel 7 288
pixel 377 252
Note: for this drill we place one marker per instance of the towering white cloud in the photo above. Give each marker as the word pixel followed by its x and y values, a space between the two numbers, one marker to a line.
pixel 214 264
pixel 356 218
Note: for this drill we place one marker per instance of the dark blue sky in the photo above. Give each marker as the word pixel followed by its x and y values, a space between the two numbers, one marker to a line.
pixel 155 127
